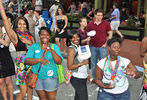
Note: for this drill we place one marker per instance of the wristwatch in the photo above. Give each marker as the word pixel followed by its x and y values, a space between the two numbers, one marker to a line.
pixel 79 64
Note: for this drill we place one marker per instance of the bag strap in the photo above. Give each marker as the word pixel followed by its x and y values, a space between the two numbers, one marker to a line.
pixel 52 46
pixel 105 62
pixel 42 57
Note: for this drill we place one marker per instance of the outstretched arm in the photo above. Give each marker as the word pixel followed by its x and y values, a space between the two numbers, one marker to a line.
pixel 143 47
pixel 132 71
pixel 12 35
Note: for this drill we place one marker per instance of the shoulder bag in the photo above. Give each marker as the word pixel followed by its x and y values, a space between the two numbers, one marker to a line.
pixel 32 78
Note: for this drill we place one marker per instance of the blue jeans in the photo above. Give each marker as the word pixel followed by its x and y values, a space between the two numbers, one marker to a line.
pixel 96 53
pixel 49 84
pixel 103 95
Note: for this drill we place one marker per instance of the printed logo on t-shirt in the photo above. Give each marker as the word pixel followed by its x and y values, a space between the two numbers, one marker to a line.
pixel 119 74
pixel 50 73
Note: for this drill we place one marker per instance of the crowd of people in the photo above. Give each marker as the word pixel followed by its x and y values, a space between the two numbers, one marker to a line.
pixel 29 38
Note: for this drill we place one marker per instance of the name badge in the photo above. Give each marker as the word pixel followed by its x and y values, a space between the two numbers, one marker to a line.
pixel 50 73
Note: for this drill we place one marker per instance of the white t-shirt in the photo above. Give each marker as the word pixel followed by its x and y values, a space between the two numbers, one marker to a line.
pixel 53 10
pixel 38 25
pixel 121 79
pixel 38 5
pixel 81 72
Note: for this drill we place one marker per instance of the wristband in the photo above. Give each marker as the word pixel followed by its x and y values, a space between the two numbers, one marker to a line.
pixel 1 8
pixel 48 48
pixel 39 60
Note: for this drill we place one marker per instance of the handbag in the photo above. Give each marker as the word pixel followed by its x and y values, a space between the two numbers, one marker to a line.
pixel 61 78
pixel 67 76
pixel 32 78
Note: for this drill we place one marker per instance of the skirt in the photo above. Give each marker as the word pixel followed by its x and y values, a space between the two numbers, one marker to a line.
pixel 21 69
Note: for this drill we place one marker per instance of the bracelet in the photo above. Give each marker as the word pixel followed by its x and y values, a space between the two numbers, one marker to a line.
pixel 1 8
pixel 133 75
pixel 39 60
pixel 79 64
pixel 48 48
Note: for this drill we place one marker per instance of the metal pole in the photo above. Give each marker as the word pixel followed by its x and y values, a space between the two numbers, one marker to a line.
pixel 105 6
pixel 18 3
pixel 138 8
pixel 96 4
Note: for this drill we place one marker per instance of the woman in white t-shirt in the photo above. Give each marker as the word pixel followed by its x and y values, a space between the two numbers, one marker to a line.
pixel 110 74
pixel 77 66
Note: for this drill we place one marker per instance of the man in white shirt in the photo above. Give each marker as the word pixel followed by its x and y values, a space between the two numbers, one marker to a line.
pixel 52 12
pixel 38 5
pixel 31 22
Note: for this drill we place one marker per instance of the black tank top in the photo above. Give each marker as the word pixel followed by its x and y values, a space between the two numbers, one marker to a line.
pixel 20 45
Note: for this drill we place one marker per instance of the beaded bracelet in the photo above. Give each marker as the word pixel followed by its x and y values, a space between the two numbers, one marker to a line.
pixel 1 8
pixel 39 59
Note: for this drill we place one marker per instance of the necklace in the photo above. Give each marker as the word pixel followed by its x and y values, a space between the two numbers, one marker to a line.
pixel 116 67
pixel 42 49
pixel 113 70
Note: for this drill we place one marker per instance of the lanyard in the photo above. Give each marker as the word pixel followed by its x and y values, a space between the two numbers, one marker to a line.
pixel 44 51
pixel 113 70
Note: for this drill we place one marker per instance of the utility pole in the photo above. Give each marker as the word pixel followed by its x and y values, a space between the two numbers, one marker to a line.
pixel 138 8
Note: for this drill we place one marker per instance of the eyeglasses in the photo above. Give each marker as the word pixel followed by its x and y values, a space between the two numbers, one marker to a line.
pixel 99 15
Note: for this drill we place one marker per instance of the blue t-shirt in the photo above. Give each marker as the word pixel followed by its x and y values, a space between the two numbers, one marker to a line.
pixel 46 71
pixel 116 12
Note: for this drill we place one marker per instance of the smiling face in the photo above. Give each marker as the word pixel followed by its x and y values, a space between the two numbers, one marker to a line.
pixel 21 26
pixel 59 11
pixel 115 49
pixel 75 39
pixel 44 37
pixel 83 22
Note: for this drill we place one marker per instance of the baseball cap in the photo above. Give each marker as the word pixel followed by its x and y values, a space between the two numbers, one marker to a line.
pixel 57 1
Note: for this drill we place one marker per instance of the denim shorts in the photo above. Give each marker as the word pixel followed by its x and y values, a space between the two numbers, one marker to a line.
pixel 50 84
pixel 103 95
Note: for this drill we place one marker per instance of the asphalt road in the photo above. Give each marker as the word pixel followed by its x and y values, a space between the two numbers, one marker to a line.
pixel 66 92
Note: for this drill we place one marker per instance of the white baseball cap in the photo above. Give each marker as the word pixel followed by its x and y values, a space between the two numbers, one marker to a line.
pixel 57 1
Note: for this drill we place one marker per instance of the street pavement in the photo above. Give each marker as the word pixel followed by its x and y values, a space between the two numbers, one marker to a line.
pixel 66 92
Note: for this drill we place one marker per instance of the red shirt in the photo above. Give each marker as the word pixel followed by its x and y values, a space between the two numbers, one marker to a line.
pixel 101 32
